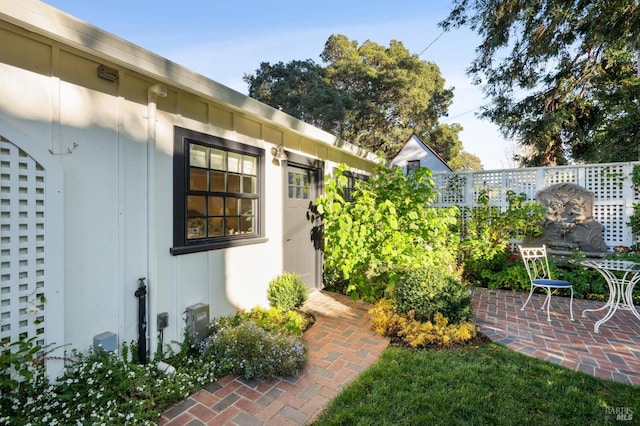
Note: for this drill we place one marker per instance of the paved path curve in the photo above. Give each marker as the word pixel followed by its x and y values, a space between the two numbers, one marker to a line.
pixel 339 346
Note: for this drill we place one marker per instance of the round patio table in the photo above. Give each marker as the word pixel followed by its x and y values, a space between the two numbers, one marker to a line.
pixel 621 276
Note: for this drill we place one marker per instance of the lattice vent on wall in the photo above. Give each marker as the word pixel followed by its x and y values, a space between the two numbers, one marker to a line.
pixel 22 239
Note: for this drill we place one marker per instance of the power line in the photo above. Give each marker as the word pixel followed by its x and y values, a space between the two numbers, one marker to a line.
pixel 430 44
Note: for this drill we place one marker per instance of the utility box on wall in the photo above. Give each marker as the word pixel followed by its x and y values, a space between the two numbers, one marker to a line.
pixel 197 321
pixel 106 341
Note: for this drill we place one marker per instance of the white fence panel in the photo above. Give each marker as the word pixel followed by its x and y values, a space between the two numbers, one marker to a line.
pixel 614 194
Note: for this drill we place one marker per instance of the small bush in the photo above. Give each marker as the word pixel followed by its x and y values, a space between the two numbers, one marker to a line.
pixel 430 290
pixel 287 291
pixel 406 330
pixel 252 352
pixel 277 320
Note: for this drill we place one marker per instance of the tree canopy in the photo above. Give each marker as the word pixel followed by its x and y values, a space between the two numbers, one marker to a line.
pixel 368 94
pixel 561 75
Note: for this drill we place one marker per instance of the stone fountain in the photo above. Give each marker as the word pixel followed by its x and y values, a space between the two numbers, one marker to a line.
pixel 569 222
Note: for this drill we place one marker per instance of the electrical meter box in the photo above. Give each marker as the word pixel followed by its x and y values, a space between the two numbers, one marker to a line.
pixel 197 321
pixel 106 341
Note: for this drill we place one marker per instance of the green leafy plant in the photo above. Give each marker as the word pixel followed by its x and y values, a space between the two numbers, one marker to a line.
pixel 431 290
pixel 249 350
pixel 387 226
pixel 488 231
pixel 287 291
pixel 634 219
pixel 277 320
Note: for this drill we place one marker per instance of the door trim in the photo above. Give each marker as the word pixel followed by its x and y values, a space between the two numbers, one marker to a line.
pixel 316 165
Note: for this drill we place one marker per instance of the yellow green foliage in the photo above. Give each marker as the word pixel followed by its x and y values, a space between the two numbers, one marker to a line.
pixel 406 329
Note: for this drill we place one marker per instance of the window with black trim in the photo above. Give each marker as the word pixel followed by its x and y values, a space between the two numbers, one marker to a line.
pixel 412 165
pixel 218 187
pixel 352 178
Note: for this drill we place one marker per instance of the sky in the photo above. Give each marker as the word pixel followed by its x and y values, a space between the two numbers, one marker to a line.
pixel 226 40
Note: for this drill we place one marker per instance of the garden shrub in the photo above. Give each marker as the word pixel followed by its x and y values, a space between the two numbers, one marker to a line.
pixel 385 225
pixel 486 235
pixel 406 330
pixel 105 388
pixel 251 351
pixel 277 320
pixel 287 291
pixel 429 290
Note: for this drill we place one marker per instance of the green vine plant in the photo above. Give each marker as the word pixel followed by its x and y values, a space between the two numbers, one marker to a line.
pixel 18 358
pixel 634 219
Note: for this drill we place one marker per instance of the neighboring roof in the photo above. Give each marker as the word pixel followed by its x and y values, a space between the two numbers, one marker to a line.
pixel 50 22
pixel 425 147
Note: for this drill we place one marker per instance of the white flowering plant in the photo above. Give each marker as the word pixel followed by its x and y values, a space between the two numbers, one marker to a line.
pixel 106 388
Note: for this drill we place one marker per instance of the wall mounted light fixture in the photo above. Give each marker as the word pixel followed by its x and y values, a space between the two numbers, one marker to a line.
pixel 278 153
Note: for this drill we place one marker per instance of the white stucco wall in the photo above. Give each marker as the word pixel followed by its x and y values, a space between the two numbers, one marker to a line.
pixel 92 135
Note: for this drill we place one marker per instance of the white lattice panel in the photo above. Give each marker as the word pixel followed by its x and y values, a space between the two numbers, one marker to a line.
pixel 22 274
pixel 612 217
pixel 553 175
pixel 606 183
pixel 450 188
pixel 611 185
pixel 490 181
pixel 522 181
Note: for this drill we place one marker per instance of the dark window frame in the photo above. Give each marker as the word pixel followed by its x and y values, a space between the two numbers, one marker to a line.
pixel 412 165
pixel 181 167
pixel 352 178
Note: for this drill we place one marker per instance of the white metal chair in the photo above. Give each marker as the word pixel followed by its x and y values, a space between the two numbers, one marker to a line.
pixel 537 264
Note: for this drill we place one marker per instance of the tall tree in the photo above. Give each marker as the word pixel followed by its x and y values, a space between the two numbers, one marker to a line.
pixel 368 94
pixel 561 74
pixel 300 89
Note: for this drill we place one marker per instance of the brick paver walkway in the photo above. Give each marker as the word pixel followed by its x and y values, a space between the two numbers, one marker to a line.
pixel 339 346
pixel 612 354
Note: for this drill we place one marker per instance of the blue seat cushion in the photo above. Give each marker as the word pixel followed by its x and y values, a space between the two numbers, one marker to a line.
pixel 552 283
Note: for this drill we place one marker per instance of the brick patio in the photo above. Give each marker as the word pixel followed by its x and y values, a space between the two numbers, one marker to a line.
pixel 612 354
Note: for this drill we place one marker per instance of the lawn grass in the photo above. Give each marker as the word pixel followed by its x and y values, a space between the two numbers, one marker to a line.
pixel 484 384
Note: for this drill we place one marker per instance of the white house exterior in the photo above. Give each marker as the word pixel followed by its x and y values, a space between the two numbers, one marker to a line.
pixel 415 153
pixel 117 164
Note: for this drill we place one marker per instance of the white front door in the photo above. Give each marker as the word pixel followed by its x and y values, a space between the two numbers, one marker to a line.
pixel 300 255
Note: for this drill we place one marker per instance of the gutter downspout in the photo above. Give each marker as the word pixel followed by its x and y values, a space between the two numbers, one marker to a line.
pixel 152 96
